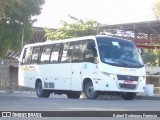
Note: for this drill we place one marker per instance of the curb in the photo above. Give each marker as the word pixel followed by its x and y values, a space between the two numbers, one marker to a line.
pixel 137 98
pixel 155 97
pixel 19 92
pixel 101 97
pixel 24 92
pixel 118 97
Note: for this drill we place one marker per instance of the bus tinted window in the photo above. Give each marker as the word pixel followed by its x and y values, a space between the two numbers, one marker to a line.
pixel 90 52
pixel 55 53
pixel 35 54
pixel 79 49
pixel 67 52
pixel 27 56
pixel 45 55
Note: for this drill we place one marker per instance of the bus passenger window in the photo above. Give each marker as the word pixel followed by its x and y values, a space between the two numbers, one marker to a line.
pixel 90 52
pixel 45 55
pixel 26 56
pixel 67 52
pixel 35 55
pixel 55 53
pixel 79 49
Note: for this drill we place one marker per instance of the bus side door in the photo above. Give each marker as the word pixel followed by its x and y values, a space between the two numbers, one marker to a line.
pixel 63 76
pixel 76 82
pixel 77 60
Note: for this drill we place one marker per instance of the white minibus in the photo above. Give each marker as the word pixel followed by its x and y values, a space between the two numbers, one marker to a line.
pixel 93 65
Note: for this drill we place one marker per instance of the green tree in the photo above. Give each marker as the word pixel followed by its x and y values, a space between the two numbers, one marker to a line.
pixel 156 9
pixel 151 57
pixel 15 17
pixel 77 28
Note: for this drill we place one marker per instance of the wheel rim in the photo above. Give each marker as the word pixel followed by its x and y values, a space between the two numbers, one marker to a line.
pixel 90 91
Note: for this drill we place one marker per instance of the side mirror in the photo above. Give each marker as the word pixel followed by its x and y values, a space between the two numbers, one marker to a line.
pixel 141 51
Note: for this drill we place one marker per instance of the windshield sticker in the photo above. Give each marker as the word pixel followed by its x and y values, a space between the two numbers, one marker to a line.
pixel 85 66
pixel 116 44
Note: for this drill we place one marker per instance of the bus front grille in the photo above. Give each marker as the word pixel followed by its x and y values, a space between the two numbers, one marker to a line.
pixel 127 77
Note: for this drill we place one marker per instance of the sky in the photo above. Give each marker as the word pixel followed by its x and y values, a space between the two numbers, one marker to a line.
pixel 103 11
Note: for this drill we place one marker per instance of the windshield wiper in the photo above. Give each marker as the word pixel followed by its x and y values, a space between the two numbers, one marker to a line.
pixel 122 63
pixel 132 60
pixel 129 59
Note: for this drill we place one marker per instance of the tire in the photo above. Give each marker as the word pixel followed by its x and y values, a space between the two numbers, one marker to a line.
pixel 128 96
pixel 40 91
pixel 89 91
pixel 73 95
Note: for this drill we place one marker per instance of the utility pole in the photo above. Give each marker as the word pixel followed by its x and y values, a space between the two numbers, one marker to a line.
pixel 22 41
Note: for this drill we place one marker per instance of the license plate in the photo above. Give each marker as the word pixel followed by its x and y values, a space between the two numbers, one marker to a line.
pixel 128 82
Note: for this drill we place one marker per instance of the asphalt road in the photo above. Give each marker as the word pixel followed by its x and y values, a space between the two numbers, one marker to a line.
pixel 30 102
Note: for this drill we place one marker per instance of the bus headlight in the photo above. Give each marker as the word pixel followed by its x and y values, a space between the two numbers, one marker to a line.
pixel 142 78
pixel 109 75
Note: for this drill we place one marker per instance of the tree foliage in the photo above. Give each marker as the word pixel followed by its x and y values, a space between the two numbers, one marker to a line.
pixel 156 9
pixel 77 28
pixel 15 16
pixel 151 57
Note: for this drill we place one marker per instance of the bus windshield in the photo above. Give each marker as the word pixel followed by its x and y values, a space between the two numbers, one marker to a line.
pixel 118 52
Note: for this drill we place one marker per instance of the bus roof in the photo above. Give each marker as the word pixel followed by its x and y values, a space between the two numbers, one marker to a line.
pixel 60 41
pixel 48 42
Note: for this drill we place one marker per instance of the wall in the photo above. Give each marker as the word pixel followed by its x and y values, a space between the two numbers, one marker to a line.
pixel 4 73
pixel 13 78
pixel 8 74
pixel 153 70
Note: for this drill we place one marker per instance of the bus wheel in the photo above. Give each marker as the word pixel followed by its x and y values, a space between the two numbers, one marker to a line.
pixel 89 91
pixel 128 96
pixel 40 92
pixel 73 94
